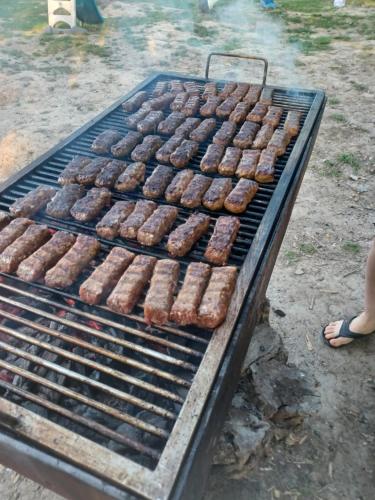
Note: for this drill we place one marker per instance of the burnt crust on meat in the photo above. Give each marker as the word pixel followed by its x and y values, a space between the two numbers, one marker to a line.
pixel 185 308
pixel 145 151
pixel 60 205
pixel 73 168
pixel 149 124
pixel 102 281
pixel 130 286
pixel 178 185
pixel 32 202
pixel 132 120
pixel 292 123
pixel 240 112
pixel 216 299
pixel 209 108
pixel 273 116
pixel 246 135
pixel 89 207
pixel 228 164
pixel 257 113
pixel 142 211
pixel 26 244
pixel 89 172
pixel 222 239
pixel 110 173
pixel 253 94
pixel 179 101
pixel 157 225
pixel 191 106
pixel 105 140
pixel 158 181
pixel 134 102
pixel 266 167
pixel 228 89
pixel 211 160
pixel 263 137
pixel 209 90
pixel 37 264
pixel 240 196
pixel 127 144
pixel 248 164
pixel 12 231
pixel 169 125
pixel 279 141
pixel 184 153
pixel 215 195
pixel 192 196
pixel 164 153
pixel 204 130
pixel 109 226
pixel 186 128
pixel 182 239
pixel 225 133
pixel 226 107
pixel 70 266
pixel 159 298
pixel 130 179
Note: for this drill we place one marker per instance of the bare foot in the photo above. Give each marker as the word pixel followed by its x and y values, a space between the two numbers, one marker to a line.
pixel 361 324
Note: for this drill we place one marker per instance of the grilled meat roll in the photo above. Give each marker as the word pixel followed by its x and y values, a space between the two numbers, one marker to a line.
pixel 110 173
pixel 222 239
pixel 13 231
pixel 257 113
pixel 130 179
pixel 225 134
pixel 185 128
pixel 192 196
pixel 135 102
pixel 248 164
pixel 73 168
pixel 184 153
pixel 266 167
pixel 145 151
pixel 273 116
pixel 157 225
pixel 209 108
pixel 89 207
pixel 179 101
pixel 292 123
pixel 182 239
pixel 149 124
pixel 127 144
pixel 240 196
pixel 169 125
pixel 89 172
pixel 178 185
pixel 109 226
pixel 263 137
pixel 211 160
pixel 105 140
pixel 142 211
pixel 246 135
pixel 32 202
pixel 60 205
pixel 215 195
pixel 164 153
pixel 203 131
pixel 228 164
pixel 158 181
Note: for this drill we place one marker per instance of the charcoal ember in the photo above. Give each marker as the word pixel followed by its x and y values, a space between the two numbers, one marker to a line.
pixel 39 410
pixel 150 439
pixel 97 416
pixel 129 432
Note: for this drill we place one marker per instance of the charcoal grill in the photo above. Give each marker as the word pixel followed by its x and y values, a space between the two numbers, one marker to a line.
pixel 168 387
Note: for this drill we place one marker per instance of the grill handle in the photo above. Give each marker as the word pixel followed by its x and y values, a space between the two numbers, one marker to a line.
pixel 238 56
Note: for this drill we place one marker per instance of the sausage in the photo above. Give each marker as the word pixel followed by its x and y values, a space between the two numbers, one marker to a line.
pixel 160 89
pixel 263 136
pixel 88 207
pixel 149 124
pixel 211 160
pixel 222 239
pixel 279 141
pixel 12 231
pixel 158 181
pixel 192 88
pixel 216 299
pixel 26 244
pixel 130 179
pixel 228 164
pixel 60 205
pixel 159 298
pixel 159 103
pixel 246 135
pixel 110 173
pixel 185 128
pixel 209 108
pixel 88 173
pixel 5 218
pixel 229 87
pixel 191 106
pixel 70 172
pixel 164 153
pixel 37 264
pixel 225 133
pixel 176 86
pixel 109 226
pixel 242 194
pixel 185 308
pixel 178 185
pixel 182 239
pixel 105 140
pixel 184 153
pixel 145 151
pixel 157 225
pixel 240 112
pixel 134 102
pixel 214 197
pixel 241 90
pixel 266 96
pixel 253 94
pixel 273 116
pixel 70 266
pixel 105 277
pixel 248 164
pixel 266 167
pixel 193 194
pixel 127 144
pixel 257 113
pixel 169 125
pixel 292 123
pixel 226 107
pixel 32 202
pixel 209 90
pixel 131 121
pixel 203 131
pixel 130 286
pixel 179 101
pixel 142 211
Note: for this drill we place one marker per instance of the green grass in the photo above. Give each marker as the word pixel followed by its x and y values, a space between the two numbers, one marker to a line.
pixel 308 248
pixel 305 6
pixel 333 101
pixel 291 256
pixel 72 45
pixel 359 86
pixel 351 247
pixel 350 159
pixel 330 169
pixel 338 117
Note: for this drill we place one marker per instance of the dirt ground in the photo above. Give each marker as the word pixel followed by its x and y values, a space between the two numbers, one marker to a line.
pixel 49 88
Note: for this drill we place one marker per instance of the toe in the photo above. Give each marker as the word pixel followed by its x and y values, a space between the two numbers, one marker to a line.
pixel 340 342
pixel 331 335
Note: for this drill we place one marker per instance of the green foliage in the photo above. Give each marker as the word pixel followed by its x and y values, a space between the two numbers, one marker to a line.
pixel 351 247
pixel 350 159
pixel 308 248
pixel 338 117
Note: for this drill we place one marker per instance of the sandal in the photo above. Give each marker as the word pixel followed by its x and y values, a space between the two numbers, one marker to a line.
pixel 345 332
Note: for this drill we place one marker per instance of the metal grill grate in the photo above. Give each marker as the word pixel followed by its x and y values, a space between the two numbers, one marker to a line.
pixel 134 390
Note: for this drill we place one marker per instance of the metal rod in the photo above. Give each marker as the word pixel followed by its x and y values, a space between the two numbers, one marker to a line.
pixel 113 412
pixel 80 359
pixel 87 329
pixel 95 317
pixel 128 398
pixel 91 424
pixel 237 56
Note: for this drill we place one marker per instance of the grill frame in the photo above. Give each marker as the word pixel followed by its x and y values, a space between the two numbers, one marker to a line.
pixel 266 239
